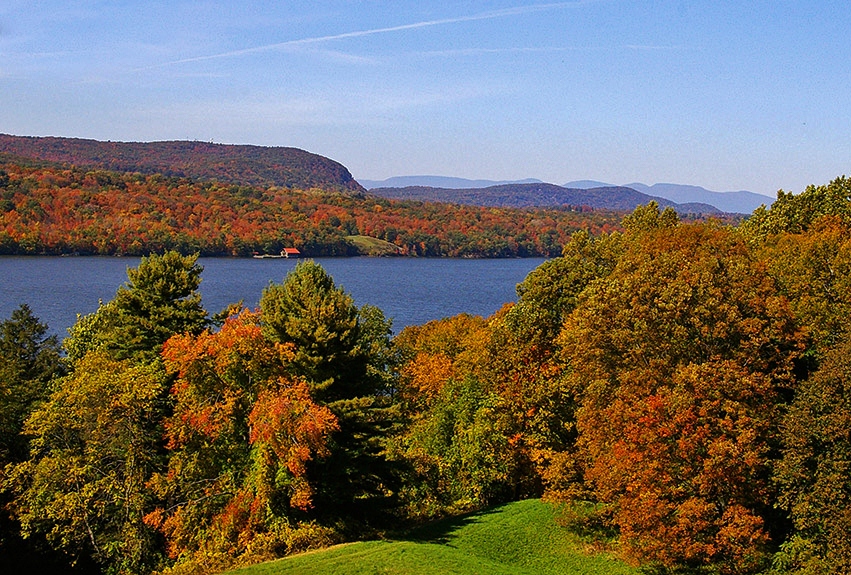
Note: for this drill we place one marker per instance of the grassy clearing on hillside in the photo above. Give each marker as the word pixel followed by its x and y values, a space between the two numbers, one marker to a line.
pixel 521 538
pixel 373 246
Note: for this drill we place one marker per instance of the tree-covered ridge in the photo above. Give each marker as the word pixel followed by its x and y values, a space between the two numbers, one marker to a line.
pixel 54 210
pixel 237 164
pixel 541 195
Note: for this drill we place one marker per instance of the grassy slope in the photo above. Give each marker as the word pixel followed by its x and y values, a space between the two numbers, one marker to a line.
pixel 373 246
pixel 520 538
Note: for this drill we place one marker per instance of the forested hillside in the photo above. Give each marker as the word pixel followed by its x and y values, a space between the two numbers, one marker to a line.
pixel 60 210
pixel 244 165
pixel 541 195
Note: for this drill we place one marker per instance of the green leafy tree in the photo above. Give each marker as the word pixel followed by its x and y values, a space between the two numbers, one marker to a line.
pixel 95 444
pixel 472 384
pixel 649 217
pixel 806 241
pixel 813 269
pixel 29 360
pixel 795 213
pixel 815 471
pixel 528 376
pixel 549 293
pixel 461 450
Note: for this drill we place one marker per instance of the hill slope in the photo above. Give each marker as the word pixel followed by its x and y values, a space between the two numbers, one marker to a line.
pixel 539 195
pixel 521 538
pixel 439 182
pixel 67 210
pixel 244 165
pixel 740 202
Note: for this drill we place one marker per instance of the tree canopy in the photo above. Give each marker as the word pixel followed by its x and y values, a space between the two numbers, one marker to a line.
pixel 680 359
pixel 159 299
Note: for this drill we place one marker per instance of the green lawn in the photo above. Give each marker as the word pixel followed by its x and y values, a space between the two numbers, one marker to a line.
pixel 520 538
pixel 373 246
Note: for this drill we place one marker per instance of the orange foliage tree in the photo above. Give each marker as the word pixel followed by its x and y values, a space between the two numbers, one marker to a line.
pixel 239 438
pixel 681 359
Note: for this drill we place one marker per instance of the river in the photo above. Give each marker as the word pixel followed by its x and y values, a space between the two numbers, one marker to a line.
pixel 411 291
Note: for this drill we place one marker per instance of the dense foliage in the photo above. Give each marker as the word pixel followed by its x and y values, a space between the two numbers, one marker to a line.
pixel 240 434
pixel 56 210
pixel 248 165
pixel 680 360
pixel 29 360
pixel 685 383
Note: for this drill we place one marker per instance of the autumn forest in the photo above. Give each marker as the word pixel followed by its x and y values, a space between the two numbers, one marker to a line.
pixel 680 390
pixel 50 209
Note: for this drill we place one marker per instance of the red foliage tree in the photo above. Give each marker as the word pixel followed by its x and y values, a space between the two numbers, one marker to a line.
pixel 680 358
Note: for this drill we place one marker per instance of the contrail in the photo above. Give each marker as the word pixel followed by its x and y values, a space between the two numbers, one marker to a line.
pixel 360 33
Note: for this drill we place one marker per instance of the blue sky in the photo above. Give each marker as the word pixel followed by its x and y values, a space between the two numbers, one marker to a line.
pixel 726 95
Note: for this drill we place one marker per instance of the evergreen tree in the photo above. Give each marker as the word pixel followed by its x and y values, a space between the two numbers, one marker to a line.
pixel 321 320
pixel 346 357
pixel 159 299
pixel 29 360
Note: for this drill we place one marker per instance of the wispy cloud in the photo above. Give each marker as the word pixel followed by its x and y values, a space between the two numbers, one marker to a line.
pixel 462 52
pixel 361 107
pixel 292 44
pixel 487 51
pixel 652 48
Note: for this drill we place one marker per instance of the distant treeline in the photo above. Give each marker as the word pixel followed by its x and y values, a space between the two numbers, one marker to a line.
pixel 49 209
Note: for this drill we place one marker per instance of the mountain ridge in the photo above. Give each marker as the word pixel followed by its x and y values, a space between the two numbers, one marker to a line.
pixel 540 195
pixel 446 182
pixel 734 202
pixel 739 201
pixel 241 164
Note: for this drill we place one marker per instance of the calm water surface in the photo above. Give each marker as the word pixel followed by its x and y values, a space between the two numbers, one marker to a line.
pixel 410 290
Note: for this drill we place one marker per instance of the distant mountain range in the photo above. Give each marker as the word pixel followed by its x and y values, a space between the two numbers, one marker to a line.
pixel 685 198
pixel 243 165
pixel 440 182
pixel 298 169
pixel 741 202
pixel 540 195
